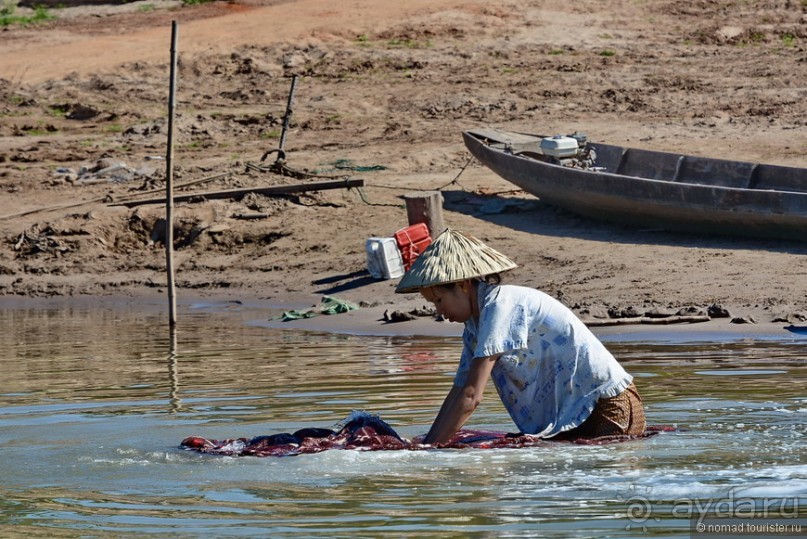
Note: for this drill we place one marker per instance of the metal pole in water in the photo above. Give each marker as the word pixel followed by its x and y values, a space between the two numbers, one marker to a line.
pixel 169 184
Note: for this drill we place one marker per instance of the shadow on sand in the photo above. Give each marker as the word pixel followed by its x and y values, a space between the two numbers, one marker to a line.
pixel 528 214
pixel 357 279
pixel 525 213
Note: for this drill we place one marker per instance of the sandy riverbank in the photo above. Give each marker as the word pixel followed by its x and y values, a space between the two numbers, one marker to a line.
pixel 383 96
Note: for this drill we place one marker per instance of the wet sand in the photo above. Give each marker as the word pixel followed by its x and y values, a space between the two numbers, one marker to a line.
pixel 370 321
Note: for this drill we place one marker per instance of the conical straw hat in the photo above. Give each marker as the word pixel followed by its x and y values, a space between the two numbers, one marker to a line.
pixel 451 258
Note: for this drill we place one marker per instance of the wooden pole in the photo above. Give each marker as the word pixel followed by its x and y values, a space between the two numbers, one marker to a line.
pixel 426 207
pixel 169 184
pixel 275 190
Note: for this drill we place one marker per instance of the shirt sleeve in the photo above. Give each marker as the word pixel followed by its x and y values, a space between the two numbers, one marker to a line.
pixel 504 323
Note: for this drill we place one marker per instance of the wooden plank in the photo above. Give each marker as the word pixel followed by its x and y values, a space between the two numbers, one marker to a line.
pixel 505 137
pixel 274 190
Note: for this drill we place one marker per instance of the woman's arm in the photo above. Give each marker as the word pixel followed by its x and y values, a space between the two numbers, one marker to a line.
pixel 461 402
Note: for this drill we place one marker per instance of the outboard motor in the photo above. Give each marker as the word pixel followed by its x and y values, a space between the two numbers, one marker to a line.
pixel 569 150
pixel 560 147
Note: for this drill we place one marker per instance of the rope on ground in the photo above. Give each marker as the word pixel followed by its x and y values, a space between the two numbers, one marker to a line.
pixel 284 170
pixel 363 196
pixel 399 188
pixel 280 167
pixel 457 177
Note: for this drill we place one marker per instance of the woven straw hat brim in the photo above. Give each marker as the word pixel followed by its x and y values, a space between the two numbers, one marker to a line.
pixel 451 258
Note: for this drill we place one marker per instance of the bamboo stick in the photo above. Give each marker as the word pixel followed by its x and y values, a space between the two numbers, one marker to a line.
pixel 169 184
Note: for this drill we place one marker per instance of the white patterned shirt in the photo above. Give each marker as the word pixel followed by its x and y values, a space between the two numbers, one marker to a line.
pixel 552 369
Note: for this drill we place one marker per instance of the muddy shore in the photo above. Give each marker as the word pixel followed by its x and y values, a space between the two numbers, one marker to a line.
pixel 383 96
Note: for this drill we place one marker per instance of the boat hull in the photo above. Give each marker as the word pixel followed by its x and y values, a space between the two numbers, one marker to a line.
pixel 650 202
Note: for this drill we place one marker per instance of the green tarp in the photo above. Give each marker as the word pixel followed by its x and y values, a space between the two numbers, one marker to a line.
pixel 328 305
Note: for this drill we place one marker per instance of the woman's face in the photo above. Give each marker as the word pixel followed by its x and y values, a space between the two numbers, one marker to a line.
pixel 453 302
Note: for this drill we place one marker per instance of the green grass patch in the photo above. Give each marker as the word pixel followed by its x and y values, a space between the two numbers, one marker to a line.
pixel 407 43
pixel 271 134
pixel 607 52
pixel 40 131
pixel 789 40
pixel 363 40
pixel 146 8
pixel 8 18
pixel 59 110
pixel 756 37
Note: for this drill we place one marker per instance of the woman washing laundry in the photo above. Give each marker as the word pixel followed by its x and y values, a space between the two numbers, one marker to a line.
pixel 555 378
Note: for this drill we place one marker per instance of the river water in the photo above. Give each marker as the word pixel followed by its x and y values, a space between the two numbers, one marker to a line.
pixel 94 401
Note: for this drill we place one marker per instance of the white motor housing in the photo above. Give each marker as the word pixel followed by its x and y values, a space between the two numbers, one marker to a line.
pixel 559 146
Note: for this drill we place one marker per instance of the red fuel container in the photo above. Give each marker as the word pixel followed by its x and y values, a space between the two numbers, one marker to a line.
pixel 412 241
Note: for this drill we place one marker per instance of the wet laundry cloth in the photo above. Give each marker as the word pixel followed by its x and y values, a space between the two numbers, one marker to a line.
pixel 328 305
pixel 368 432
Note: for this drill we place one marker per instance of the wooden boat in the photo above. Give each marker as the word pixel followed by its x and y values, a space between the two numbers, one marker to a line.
pixel 650 189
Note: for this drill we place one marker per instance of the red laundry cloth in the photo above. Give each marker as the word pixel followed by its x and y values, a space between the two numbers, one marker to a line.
pixel 367 432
